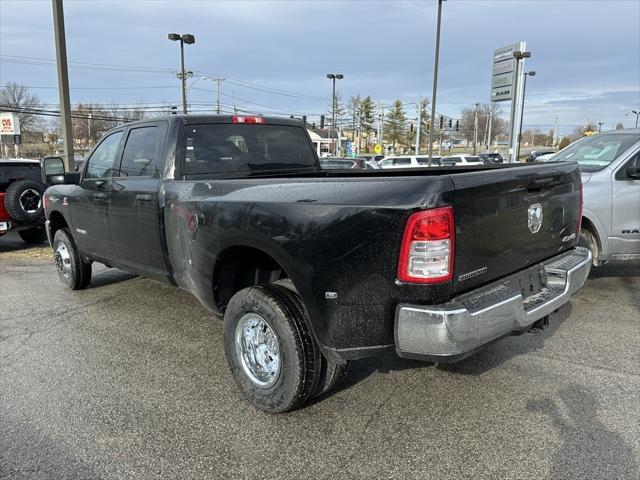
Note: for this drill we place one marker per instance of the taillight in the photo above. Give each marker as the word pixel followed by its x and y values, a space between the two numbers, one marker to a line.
pixel 242 119
pixel 580 211
pixel 426 254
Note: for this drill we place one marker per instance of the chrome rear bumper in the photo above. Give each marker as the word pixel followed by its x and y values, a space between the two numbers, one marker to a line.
pixel 456 329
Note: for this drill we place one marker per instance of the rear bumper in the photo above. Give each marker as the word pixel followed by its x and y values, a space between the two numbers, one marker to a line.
pixel 456 329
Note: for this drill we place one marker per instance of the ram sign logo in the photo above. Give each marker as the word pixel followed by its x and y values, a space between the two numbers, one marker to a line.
pixel 535 217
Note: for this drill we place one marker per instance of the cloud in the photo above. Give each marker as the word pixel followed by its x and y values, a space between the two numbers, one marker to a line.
pixel 582 51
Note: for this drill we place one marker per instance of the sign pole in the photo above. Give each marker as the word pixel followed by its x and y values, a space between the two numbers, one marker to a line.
pixel 435 80
pixel 63 85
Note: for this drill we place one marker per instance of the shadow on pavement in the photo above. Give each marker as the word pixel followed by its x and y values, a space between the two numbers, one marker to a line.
pixel 616 269
pixel 589 449
pixel 109 277
pixel 500 352
pixel 11 242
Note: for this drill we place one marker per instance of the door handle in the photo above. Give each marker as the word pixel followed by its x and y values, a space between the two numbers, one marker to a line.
pixel 99 196
pixel 144 197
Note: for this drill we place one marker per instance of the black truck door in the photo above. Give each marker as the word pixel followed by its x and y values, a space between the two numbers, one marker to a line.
pixel 89 209
pixel 134 210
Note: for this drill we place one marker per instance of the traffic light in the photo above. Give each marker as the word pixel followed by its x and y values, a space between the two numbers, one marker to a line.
pixel 457 125
pixel 304 119
pixel 411 127
pixel 441 122
pixel 321 122
pixel 450 123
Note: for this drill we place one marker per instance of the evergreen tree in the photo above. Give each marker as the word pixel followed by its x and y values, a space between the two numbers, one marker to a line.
pixel 395 124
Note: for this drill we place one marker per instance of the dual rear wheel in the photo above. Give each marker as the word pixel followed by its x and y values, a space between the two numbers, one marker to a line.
pixel 272 355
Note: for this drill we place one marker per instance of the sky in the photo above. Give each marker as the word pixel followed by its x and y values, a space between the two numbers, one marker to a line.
pixel 275 55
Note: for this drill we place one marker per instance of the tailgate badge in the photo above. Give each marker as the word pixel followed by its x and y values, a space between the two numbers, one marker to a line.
pixel 535 217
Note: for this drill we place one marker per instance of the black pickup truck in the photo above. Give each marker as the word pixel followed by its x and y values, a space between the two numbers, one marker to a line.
pixel 313 268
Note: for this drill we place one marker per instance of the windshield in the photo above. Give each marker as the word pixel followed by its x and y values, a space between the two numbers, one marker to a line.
pixel 597 151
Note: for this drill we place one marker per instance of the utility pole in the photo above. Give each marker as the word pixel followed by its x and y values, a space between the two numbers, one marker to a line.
pixel 475 130
pixel 218 82
pixel 63 85
pixel 418 126
pixel 435 80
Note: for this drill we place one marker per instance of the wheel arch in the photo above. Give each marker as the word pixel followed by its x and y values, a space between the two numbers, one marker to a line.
pixel 243 264
pixel 57 221
pixel 592 223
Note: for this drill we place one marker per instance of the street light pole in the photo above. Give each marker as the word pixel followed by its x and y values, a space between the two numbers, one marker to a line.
pixel 435 80
pixel 333 77
pixel 637 114
pixel 188 39
pixel 475 130
pixel 524 92
pixel 514 138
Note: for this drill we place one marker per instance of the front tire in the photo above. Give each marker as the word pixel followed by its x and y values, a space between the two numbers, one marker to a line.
pixel 269 348
pixel 73 271
pixel 33 235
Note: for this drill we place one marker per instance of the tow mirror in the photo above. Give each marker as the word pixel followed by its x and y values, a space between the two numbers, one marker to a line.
pixel 53 172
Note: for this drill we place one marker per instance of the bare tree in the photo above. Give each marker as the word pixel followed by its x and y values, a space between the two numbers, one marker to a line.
pixel 467 121
pixel 17 96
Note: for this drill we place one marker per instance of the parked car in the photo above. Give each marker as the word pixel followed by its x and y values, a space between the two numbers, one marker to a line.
pixel 21 191
pixel 534 155
pixel 370 163
pixel 610 163
pixel 408 161
pixel 491 157
pixel 334 163
pixel 464 159
pixel 313 268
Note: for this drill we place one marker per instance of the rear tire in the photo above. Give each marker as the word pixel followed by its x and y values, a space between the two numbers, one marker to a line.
pixel 33 235
pixel 73 271
pixel 270 351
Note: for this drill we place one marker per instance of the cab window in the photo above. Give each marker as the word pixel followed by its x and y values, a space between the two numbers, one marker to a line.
pixel 142 155
pixel 101 162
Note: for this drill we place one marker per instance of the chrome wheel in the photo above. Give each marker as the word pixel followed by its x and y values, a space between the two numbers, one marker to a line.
pixel 258 350
pixel 30 200
pixel 63 260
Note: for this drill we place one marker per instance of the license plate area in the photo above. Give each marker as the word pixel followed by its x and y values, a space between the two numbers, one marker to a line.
pixel 530 281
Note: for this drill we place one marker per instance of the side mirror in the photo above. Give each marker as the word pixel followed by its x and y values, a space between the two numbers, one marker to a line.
pixel 53 173
pixel 633 170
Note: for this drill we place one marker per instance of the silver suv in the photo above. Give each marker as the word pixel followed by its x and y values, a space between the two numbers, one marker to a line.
pixel 610 164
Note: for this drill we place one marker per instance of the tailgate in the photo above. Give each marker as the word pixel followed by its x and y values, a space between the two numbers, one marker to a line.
pixel 499 229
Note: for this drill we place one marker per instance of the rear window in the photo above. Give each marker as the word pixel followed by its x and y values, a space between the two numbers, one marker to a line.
pixel 228 148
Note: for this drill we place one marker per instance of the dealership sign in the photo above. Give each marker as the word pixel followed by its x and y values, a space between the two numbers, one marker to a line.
pixel 9 123
pixel 503 73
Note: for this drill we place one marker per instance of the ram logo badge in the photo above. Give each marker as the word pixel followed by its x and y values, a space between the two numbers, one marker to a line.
pixel 535 217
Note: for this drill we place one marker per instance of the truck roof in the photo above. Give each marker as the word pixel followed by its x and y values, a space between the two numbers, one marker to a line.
pixel 213 118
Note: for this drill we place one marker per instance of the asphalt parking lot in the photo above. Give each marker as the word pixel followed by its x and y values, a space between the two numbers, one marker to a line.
pixel 128 380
